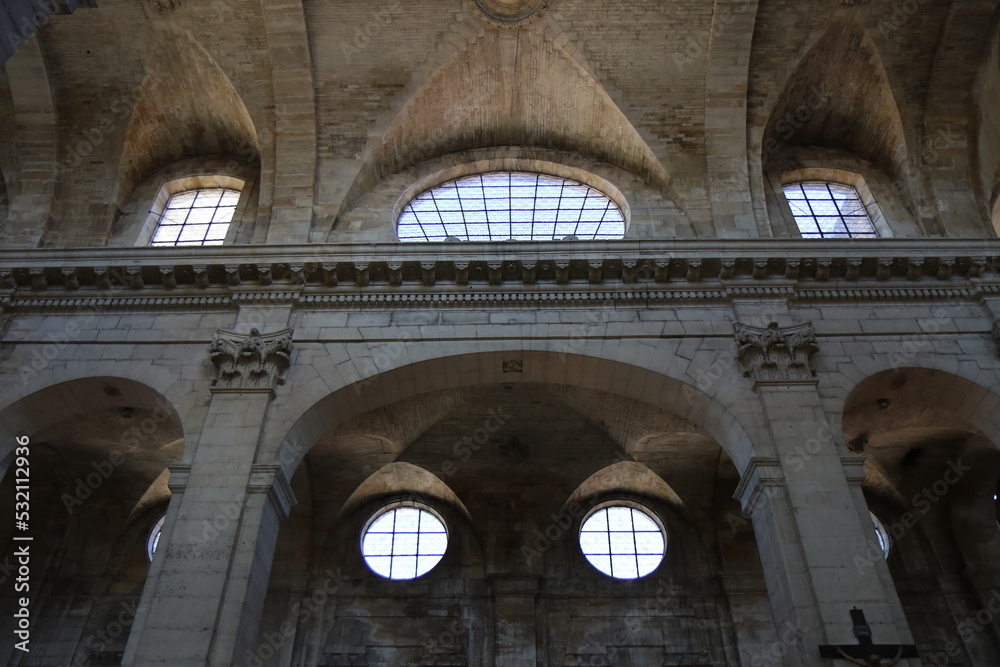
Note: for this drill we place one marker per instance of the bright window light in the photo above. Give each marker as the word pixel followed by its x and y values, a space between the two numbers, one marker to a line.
pixel 829 211
pixel 518 206
pixel 403 542
pixel 196 218
pixel 882 535
pixel 622 542
pixel 154 537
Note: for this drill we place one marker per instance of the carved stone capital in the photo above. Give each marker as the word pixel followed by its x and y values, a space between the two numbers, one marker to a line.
pixel 776 356
pixel 253 361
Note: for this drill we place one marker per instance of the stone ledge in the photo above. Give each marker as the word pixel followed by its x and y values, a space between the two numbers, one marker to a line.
pixel 465 264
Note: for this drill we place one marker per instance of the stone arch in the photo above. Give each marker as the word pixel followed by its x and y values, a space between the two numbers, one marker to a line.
pixel 932 465
pixel 139 216
pixel 375 212
pixel 986 121
pixel 451 373
pixel 211 119
pixel 626 477
pixel 32 176
pixel 155 384
pixel 494 93
pixel 921 398
pixel 402 482
pixel 400 477
pixel 950 139
pixel 819 106
pixel 837 98
pixel 95 446
pixel 145 416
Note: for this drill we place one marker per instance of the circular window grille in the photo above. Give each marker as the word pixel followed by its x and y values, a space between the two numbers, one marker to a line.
pixel 154 537
pixel 882 535
pixel 623 541
pixel 403 542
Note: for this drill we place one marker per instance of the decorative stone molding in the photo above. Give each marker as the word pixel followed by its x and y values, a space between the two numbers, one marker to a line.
pixel 251 361
pixel 511 13
pixel 761 474
pixel 270 478
pixel 775 355
pixel 584 273
pixel 854 469
pixel 179 475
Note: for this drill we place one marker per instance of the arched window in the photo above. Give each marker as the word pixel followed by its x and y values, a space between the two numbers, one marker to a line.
pixel 196 218
pixel 403 541
pixel 154 537
pixel 624 541
pixel 829 211
pixel 518 206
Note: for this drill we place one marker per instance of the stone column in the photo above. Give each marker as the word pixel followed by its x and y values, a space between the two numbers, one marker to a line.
pixel 807 522
pixel 202 601
pixel 514 620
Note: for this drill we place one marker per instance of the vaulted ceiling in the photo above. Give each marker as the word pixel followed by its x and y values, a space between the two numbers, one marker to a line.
pixel 335 97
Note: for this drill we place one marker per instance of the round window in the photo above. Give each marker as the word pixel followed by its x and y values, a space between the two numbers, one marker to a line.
pixel 403 542
pixel 882 535
pixel 154 537
pixel 623 541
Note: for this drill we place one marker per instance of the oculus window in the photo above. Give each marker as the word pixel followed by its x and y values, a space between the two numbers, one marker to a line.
pixel 403 542
pixel 196 218
pixel 518 206
pixel 623 541
pixel 154 537
pixel 829 211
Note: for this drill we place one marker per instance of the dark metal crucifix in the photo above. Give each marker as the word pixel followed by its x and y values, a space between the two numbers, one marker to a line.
pixel 865 652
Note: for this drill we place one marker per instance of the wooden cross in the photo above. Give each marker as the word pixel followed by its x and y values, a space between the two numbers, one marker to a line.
pixel 865 650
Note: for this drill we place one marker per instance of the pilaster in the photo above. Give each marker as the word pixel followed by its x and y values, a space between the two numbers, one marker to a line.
pixel 806 516
pixel 202 603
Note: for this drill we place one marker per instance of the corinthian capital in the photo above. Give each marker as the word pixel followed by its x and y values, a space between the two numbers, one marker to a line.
pixel 774 355
pixel 252 361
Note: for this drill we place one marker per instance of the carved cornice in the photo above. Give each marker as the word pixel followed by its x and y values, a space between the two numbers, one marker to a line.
pixel 500 273
pixel 250 362
pixel 627 262
pixel 773 355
